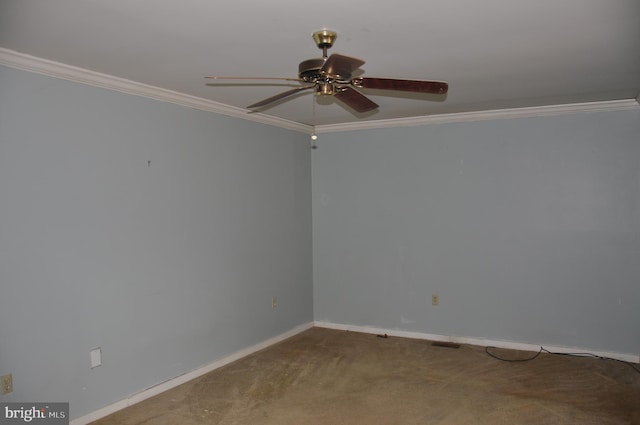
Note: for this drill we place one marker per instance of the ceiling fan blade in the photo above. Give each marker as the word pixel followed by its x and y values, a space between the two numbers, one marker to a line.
pixel 341 66
pixel 278 97
pixel 253 78
pixel 355 99
pixel 417 86
pixel 256 84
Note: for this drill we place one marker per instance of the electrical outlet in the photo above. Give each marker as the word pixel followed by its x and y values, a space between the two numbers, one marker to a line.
pixel 274 302
pixel 7 383
pixel 435 300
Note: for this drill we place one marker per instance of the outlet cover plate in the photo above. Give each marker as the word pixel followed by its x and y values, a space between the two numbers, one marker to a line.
pixel 96 357
pixel 7 383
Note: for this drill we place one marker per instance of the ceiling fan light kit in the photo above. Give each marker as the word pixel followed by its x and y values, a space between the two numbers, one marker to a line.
pixel 332 76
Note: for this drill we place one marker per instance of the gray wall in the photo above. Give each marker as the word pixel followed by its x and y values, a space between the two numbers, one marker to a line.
pixel 167 267
pixel 527 229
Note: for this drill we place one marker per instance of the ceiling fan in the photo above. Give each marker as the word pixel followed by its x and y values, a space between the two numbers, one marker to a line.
pixel 333 76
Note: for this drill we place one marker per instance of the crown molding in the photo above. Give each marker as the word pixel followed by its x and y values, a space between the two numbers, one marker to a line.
pixel 42 66
pixel 536 111
pixel 38 65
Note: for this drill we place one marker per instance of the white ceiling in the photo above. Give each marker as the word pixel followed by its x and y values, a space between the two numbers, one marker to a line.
pixel 495 54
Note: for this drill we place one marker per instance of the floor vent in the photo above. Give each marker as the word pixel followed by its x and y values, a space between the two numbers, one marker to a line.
pixel 445 344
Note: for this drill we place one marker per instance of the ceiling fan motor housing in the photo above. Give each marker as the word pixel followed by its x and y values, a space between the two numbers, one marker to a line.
pixel 311 72
pixel 310 69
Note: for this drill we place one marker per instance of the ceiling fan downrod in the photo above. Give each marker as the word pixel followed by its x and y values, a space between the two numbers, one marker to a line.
pixel 324 39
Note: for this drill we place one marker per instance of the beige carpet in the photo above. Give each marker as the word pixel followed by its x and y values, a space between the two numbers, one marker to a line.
pixel 324 376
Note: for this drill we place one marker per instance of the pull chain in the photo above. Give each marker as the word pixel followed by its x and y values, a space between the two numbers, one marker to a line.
pixel 314 136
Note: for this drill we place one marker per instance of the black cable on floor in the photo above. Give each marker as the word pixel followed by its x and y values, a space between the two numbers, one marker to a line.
pixel 486 350
pixel 542 349
pixel 631 365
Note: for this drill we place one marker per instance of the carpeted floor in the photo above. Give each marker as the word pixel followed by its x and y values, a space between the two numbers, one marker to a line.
pixel 330 377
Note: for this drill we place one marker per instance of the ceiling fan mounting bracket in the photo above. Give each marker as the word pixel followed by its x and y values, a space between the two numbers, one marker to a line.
pixel 324 38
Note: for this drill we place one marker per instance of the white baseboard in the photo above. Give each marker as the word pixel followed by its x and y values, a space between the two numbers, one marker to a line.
pixel 632 358
pixel 179 380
